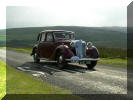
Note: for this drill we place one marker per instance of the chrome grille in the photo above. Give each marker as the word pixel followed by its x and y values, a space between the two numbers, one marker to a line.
pixel 80 47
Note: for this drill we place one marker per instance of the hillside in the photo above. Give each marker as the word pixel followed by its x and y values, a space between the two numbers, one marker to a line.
pixel 100 36
pixel 2 38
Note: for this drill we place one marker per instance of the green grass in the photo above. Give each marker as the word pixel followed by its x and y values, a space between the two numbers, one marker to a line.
pixel 2 47
pixel 130 63
pixel 19 82
pixel 113 53
pixel 2 79
pixel 2 36
pixel 113 62
pixel 24 50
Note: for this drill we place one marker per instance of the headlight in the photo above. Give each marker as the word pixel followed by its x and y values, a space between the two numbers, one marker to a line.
pixel 66 46
pixel 89 44
pixel 72 44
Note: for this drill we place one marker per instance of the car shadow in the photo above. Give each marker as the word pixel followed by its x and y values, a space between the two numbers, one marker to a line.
pixel 50 67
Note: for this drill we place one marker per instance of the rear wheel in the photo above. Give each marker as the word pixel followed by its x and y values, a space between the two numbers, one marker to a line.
pixel 91 65
pixel 61 61
pixel 36 58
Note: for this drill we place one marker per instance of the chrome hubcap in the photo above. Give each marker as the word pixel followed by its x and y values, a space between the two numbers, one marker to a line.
pixel 35 56
pixel 60 59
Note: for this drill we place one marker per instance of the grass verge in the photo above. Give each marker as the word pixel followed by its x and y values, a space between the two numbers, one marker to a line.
pixel 24 50
pixel 2 47
pixel 113 62
pixel 19 82
pixel 2 79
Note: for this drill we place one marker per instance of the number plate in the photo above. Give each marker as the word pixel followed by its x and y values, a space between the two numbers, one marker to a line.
pixel 88 62
pixel 85 62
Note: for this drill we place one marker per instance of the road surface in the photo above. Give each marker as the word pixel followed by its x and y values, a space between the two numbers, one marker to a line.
pixel 101 80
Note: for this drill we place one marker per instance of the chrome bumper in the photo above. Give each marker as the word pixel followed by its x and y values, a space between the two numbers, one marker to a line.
pixel 77 59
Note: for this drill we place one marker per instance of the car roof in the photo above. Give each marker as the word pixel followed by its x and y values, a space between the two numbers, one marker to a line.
pixel 45 31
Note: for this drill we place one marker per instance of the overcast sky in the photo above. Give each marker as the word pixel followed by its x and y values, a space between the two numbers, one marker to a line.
pixel 29 13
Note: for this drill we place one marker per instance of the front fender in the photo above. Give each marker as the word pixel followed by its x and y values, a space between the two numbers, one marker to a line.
pixel 65 50
pixel 92 52
pixel 33 50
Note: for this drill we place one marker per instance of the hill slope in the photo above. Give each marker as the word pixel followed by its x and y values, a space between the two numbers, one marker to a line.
pixel 2 37
pixel 100 36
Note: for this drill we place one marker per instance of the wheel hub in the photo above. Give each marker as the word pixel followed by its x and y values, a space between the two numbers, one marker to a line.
pixel 60 59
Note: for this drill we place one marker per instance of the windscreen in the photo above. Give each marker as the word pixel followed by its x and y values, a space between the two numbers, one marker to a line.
pixel 64 35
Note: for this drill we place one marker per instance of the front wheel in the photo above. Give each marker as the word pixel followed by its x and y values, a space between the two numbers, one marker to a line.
pixel 60 61
pixel 91 65
pixel 36 58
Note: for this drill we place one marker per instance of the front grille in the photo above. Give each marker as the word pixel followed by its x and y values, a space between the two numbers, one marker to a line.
pixel 84 49
pixel 80 47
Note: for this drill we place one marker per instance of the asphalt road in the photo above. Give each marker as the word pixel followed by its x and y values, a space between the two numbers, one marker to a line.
pixel 101 80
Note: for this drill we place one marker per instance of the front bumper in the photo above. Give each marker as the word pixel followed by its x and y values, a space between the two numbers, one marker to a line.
pixel 82 60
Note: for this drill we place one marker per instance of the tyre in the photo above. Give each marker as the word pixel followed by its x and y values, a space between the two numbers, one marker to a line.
pixel 91 65
pixel 61 61
pixel 36 58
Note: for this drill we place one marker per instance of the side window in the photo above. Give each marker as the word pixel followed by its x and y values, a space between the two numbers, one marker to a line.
pixel 49 37
pixel 43 37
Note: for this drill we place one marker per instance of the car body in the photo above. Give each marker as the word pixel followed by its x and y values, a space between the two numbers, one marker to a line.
pixel 61 46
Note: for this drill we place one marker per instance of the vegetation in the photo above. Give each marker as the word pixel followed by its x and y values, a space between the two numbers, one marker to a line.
pixel 2 79
pixel 21 83
pixel 24 50
pixel 2 38
pixel 113 53
pixel 112 37
pixel 113 62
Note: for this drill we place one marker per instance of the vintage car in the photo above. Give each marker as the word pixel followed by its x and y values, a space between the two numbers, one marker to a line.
pixel 61 46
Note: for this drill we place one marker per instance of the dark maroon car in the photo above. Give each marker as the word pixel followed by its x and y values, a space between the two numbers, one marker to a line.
pixel 61 46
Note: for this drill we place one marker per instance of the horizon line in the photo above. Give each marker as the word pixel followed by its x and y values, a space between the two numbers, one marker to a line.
pixel 59 26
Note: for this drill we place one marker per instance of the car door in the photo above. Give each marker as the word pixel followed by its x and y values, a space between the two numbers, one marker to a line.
pixel 41 46
pixel 49 44
pixel 46 46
